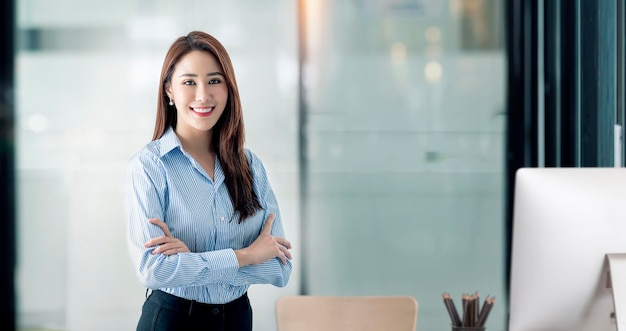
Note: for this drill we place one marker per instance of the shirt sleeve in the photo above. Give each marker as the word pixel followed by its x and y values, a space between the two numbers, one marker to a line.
pixel 145 188
pixel 272 271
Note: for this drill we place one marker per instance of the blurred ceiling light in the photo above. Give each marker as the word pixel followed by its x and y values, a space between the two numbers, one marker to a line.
pixel 398 53
pixel 37 123
pixel 433 34
pixel 433 72
pixel 315 19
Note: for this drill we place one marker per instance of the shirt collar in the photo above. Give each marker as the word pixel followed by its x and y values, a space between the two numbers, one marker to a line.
pixel 169 141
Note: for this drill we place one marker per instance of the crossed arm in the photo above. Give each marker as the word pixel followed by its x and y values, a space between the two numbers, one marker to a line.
pixel 264 248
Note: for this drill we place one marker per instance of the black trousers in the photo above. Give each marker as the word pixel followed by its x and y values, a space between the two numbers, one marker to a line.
pixel 165 312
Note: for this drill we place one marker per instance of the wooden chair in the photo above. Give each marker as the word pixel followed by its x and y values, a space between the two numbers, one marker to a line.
pixel 346 313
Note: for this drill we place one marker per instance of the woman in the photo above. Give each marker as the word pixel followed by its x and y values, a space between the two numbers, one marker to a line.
pixel 204 223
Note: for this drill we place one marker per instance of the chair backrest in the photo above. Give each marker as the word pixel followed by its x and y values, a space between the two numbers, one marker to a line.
pixel 346 313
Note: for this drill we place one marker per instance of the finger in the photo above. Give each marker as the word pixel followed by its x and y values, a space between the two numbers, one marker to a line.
pixel 175 250
pixel 173 246
pixel 162 225
pixel 172 251
pixel 160 240
pixel 267 228
pixel 282 258
pixel 285 251
pixel 283 242
pixel 157 241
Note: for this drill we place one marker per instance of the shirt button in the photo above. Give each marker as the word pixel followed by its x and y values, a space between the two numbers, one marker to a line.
pixel 223 285
pixel 222 218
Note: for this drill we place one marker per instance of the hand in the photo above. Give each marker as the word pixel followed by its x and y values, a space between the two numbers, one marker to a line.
pixel 265 247
pixel 168 244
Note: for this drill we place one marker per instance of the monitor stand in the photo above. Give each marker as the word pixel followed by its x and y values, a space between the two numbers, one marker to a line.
pixel 616 280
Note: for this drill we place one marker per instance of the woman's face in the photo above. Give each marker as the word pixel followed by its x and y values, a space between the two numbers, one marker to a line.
pixel 199 91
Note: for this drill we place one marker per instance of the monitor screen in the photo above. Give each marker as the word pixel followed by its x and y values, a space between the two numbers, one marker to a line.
pixel 565 221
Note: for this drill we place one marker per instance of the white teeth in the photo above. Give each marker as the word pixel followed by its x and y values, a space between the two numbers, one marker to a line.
pixel 203 110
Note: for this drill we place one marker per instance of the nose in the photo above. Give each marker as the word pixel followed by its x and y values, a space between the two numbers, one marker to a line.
pixel 202 93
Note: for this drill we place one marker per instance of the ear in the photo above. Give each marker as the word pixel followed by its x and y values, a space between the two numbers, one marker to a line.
pixel 168 90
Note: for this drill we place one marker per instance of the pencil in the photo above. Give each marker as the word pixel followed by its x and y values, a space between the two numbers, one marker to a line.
pixel 476 307
pixel 465 300
pixel 454 315
pixel 472 311
pixel 485 311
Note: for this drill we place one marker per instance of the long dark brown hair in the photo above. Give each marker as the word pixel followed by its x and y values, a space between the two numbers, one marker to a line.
pixel 228 133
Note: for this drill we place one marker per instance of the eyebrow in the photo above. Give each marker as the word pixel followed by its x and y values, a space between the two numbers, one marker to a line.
pixel 216 73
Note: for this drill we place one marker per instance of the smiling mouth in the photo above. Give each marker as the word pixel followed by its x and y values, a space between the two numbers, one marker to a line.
pixel 202 110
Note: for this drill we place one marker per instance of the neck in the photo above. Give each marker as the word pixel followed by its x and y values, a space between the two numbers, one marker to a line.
pixel 196 143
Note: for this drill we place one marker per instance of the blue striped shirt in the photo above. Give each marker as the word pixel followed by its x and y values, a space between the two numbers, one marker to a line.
pixel 165 182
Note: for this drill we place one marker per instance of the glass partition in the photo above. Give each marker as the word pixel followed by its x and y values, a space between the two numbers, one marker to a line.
pixel 405 154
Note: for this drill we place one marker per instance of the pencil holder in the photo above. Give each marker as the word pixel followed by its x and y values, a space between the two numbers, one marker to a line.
pixel 473 316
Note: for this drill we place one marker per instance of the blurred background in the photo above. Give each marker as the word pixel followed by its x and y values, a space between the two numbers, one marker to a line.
pixel 382 124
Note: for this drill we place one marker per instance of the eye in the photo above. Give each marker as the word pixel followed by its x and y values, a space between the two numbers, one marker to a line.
pixel 215 81
pixel 189 82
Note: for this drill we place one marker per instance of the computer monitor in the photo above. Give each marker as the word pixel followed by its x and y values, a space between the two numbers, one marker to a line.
pixel 565 221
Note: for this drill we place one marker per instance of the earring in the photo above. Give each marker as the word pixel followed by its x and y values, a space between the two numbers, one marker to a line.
pixel 171 102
